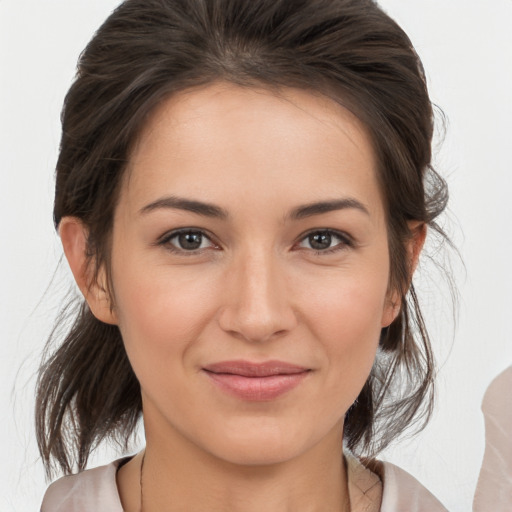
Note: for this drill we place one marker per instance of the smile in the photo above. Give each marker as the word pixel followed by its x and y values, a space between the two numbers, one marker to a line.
pixel 255 381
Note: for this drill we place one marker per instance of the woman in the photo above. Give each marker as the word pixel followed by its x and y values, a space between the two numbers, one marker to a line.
pixel 243 191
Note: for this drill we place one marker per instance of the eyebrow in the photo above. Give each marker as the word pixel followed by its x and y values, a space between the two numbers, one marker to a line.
pixel 214 211
pixel 189 205
pixel 308 210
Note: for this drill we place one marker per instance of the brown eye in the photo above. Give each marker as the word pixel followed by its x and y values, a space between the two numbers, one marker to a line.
pixel 325 241
pixel 320 241
pixel 187 240
pixel 190 241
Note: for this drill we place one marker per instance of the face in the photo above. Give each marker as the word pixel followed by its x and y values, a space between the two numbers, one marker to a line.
pixel 250 270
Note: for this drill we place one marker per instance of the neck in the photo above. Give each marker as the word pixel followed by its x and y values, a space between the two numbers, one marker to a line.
pixel 311 484
pixel 177 477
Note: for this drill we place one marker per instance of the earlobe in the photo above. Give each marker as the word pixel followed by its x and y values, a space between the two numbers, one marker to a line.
pixel 418 233
pixel 391 310
pixel 73 234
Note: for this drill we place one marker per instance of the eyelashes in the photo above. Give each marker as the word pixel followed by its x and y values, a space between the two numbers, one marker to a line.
pixel 194 241
pixel 321 241
pixel 187 241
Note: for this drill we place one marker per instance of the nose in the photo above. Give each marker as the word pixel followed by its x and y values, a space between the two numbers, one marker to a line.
pixel 258 306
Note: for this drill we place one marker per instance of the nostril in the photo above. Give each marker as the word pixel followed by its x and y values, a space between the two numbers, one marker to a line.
pixel 255 328
pixel 259 308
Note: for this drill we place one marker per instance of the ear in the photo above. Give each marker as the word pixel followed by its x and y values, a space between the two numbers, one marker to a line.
pixel 417 235
pixel 73 235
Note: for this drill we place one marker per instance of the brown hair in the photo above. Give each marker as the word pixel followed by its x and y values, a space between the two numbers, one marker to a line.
pixel 349 50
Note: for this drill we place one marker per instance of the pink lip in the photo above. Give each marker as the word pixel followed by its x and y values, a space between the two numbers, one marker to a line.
pixel 256 381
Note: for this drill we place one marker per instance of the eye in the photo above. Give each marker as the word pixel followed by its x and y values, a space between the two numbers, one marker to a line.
pixel 325 241
pixel 186 240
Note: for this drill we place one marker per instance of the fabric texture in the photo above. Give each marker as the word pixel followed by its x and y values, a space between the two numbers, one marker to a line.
pixel 387 489
pixel 494 488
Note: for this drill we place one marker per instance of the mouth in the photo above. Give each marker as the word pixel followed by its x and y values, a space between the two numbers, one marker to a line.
pixel 255 381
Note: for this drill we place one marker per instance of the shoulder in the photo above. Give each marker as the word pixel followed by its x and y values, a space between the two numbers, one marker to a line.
pixel 88 491
pixel 383 487
pixel 403 493
pixel 496 402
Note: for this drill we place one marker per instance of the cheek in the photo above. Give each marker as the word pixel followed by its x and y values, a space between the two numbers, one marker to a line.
pixel 160 313
pixel 349 307
pixel 354 322
pixel 347 318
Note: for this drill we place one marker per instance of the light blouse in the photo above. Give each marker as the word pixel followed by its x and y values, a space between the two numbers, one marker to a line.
pixel 387 489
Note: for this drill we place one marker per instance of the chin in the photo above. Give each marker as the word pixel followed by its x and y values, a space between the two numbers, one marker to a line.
pixel 257 453
pixel 262 445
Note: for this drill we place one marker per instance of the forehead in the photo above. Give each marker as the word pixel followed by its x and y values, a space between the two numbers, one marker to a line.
pixel 225 138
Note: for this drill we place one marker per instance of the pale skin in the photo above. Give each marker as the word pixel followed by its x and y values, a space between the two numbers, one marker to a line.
pixel 278 173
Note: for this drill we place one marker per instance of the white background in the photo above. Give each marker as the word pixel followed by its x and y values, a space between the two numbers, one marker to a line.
pixel 466 47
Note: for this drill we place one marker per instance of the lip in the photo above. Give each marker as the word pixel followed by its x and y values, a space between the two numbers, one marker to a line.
pixel 256 381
